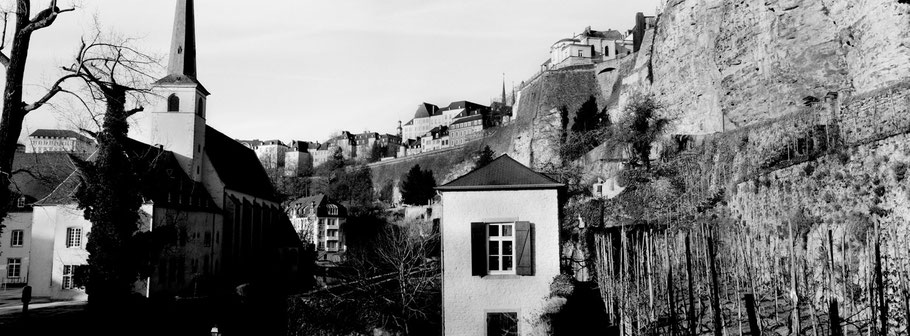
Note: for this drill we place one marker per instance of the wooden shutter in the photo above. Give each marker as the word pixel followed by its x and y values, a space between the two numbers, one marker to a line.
pixel 478 249
pixel 524 244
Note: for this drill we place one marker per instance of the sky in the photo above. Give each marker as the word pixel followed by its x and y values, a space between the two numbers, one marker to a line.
pixel 303 69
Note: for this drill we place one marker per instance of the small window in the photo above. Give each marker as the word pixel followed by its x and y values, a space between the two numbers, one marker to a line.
pixel 68 272
pixel 200 108
pixel 502 324
pixel 73 237
pixel 173 103
pixel 500 248
pixel 580 53
pixel 332 233
pixel 13 267
pixel 332 209
pixel 20 203
pixel 207 241
pixel 332 245
pixel 17 238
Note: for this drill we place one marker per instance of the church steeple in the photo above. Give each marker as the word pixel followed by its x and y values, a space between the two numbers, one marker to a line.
pixel 503 90
pixel 183 43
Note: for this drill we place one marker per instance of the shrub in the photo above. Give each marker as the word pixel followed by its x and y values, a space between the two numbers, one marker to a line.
pixel 900 171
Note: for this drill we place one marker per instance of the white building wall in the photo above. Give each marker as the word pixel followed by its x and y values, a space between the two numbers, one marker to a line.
pixel 15 221
pixel 466 298
pixel 49 252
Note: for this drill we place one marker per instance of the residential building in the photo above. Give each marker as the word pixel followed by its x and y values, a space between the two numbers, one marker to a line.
pixel 208 193
pixel 299 159
pixel 500 248
pixel 320 222
pixel 429 116
pixel 466 129
pixel 58 140
pixel 436 138
pixel 323 153
pixel 270 152
pixel 40 174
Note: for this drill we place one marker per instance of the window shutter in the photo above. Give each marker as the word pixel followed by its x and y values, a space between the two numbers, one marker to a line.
pixel 524 243
pixel 478 249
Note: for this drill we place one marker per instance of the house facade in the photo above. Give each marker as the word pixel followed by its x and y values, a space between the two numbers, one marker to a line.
pixel 319 221
pixel 57 140
pixel 500 248
pixel 16 238
pixel 299 158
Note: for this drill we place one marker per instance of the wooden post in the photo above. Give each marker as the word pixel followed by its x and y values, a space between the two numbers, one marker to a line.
pixel 715 288
pixel 794 297
pixel 834 319
pixel 672 300
pixel 879 282
pixel 690 314
pixel 754 328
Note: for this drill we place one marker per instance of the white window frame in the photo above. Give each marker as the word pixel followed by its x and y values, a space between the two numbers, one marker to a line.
pixel 73 237
pixel 68 271
pixel 13 264
pixel 500 239
pixel 13 235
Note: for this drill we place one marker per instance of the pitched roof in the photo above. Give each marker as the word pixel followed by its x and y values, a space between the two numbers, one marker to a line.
pixel 467 119
pixel 504 173
pixel 237 166
pixel 321 203
pixel 163 175
pixel 40 173
pixel 425 110
pixel 59 133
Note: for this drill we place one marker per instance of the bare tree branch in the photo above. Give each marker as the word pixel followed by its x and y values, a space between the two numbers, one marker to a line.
pixel 45 18
pixel 56 88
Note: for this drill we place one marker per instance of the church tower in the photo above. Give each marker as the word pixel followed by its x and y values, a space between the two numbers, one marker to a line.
pixel 176 120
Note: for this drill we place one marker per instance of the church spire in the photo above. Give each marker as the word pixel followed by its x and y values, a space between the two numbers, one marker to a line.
pixel 503 89
pixel 183 44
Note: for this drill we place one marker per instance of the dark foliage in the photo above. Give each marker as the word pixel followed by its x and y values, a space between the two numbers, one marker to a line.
pixel 588 117
pixel 484 158
pixel 353 187
pixel 417 186
pixel 110 197
pixel 641 128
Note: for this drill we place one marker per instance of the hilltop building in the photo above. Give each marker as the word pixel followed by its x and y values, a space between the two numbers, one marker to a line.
pixel 270 152
pixel 429 116
pixel 206 191
pixel 588 47
pixel 500 248
pixel 299 158
pixel 58 140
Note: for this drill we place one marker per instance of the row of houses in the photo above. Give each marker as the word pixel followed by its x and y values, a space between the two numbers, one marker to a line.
pixel 592 46
pixel 298 157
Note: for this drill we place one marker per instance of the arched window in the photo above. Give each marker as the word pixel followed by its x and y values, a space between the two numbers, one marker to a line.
pixel 200 108
pixel 173 103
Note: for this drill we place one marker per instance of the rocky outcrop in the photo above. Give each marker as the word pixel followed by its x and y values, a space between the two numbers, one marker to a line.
pixel 722 65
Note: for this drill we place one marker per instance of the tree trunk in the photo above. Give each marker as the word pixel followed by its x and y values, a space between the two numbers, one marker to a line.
pixel 13 106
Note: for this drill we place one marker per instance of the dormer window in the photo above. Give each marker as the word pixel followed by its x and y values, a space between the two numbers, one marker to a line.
pixel 173 103
pixel 21 202
pixel 332 209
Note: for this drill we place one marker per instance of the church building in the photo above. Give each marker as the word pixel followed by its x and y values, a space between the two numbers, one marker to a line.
pixel 206 193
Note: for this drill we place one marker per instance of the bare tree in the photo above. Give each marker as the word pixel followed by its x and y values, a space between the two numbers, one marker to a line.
pixel 14 108
pixel 113 73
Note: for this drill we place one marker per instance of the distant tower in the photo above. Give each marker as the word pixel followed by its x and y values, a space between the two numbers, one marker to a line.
pixel 503 101
pixel 400 130
pixel 176 120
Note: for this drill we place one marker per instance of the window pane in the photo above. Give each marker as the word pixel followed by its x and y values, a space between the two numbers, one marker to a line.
pixel 507 263
pixel 494 263
pixel 494 230
pixel 507 248
pixel 494 248
pixel 507 230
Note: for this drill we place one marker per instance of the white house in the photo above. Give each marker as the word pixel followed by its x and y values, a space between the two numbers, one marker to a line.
pixel 57 140
pixel 500 249
pixel 319 221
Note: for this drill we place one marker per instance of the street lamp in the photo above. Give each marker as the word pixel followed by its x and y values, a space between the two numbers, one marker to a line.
pixel 215 331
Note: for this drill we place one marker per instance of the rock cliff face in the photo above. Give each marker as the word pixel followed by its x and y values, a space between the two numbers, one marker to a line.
pixel 722 64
